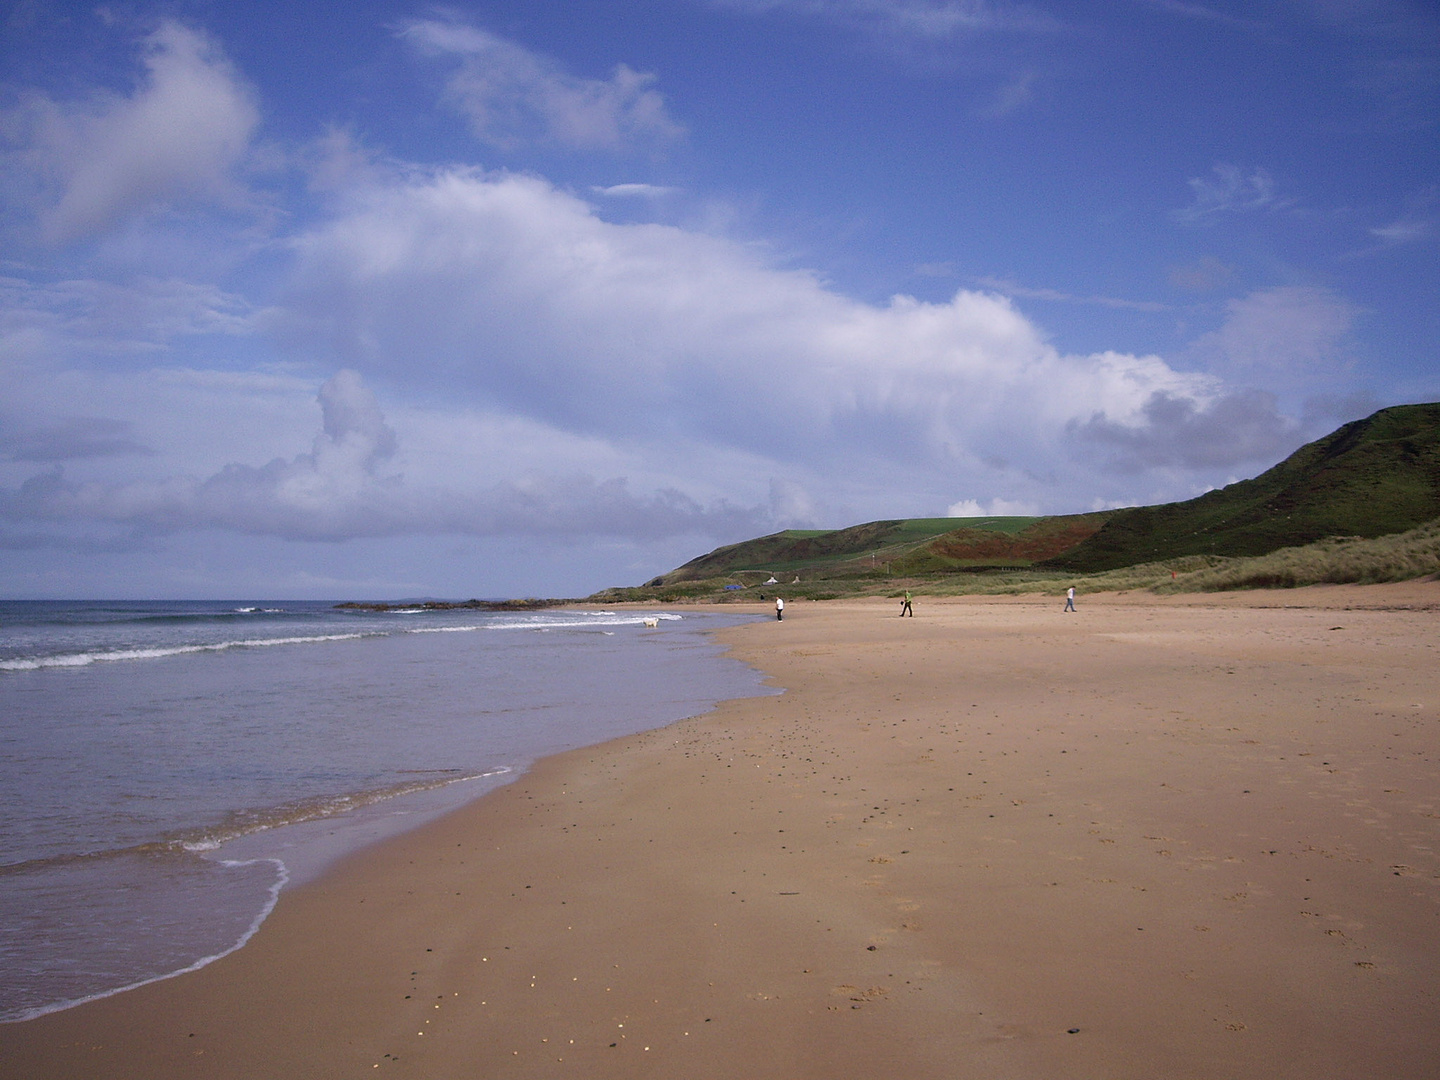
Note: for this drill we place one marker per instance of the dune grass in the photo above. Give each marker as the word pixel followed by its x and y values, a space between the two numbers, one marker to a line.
pixel 1348 560
pixel 1344 560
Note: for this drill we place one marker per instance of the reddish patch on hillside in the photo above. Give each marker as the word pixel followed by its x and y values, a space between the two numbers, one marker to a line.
pixel 1040 541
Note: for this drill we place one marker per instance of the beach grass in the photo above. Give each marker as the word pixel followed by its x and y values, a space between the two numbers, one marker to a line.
pixel 1345 560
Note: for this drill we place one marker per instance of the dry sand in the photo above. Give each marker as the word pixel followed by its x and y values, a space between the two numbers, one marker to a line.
pixel 1190 837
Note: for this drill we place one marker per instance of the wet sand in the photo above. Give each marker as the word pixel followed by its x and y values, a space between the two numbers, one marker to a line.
pixel 1181 837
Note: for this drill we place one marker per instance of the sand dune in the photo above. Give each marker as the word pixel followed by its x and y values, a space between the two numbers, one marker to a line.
pixel 1155 838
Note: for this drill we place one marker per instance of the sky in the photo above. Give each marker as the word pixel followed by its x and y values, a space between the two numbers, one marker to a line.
pixel 376 300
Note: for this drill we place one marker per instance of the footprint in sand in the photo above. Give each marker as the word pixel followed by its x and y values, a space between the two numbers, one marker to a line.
pixel 855 994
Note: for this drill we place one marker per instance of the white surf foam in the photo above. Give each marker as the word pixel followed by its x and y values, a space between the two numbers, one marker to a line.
pixel 81 659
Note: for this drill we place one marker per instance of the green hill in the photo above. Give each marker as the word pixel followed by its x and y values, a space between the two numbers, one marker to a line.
pixel 900 547
pixel 1372 477
pixel 1375 477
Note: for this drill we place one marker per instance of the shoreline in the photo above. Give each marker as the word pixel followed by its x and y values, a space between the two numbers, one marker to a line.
pixel 788 886
pixel 159 905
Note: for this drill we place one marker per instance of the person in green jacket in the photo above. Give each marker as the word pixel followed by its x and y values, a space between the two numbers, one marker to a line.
pixel 905 608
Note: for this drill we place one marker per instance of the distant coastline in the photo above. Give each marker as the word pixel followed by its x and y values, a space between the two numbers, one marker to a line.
pixel 528 604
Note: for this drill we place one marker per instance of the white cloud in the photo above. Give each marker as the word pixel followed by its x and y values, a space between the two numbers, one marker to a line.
pixel 1406 230
pixel 177 138
pixel 1204 275
pixel 792 506
pixel 116 419
pixel 1416 224
pixel 64 321
pixel 1231 189
pixel 639 381
pixel 634 191
pixel 1205 14
pixel 1012 96
pixel 344 489
pixel 1284 337
pixel 514 96
pixel 925 19
pixel 561 374
pixel 1011 288
pixel 972 508
pixel 504 292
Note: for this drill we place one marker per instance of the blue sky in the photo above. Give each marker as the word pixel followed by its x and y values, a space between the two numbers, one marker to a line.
pixel 378 299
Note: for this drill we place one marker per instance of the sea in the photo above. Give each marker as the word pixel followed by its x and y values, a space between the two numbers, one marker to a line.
pixel 167 768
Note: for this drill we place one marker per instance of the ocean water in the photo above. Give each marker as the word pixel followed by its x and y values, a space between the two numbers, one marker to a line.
pixel 167 768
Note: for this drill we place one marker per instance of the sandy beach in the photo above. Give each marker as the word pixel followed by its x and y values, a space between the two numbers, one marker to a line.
pixel 1178 837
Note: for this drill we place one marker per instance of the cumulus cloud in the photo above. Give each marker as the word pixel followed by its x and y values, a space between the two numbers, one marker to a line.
pixel 513 96
pixel 178 137
pixel 1183 433
pixel 632 380
pixel 507 293
pixel 970 508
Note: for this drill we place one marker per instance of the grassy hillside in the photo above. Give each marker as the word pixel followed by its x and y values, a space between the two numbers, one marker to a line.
pixel 1373 477
pixel 1334 560
pixel 894 547
pixel 1376 477
pixel 1031 541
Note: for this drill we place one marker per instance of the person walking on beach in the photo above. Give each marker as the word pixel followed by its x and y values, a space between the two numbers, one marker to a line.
pixel 905 608
pixel 779 608
pixel 1070 600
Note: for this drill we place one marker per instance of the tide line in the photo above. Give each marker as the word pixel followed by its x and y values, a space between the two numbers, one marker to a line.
pixel 282 876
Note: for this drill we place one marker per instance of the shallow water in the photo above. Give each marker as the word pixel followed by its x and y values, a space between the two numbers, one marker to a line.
pixel 165 768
